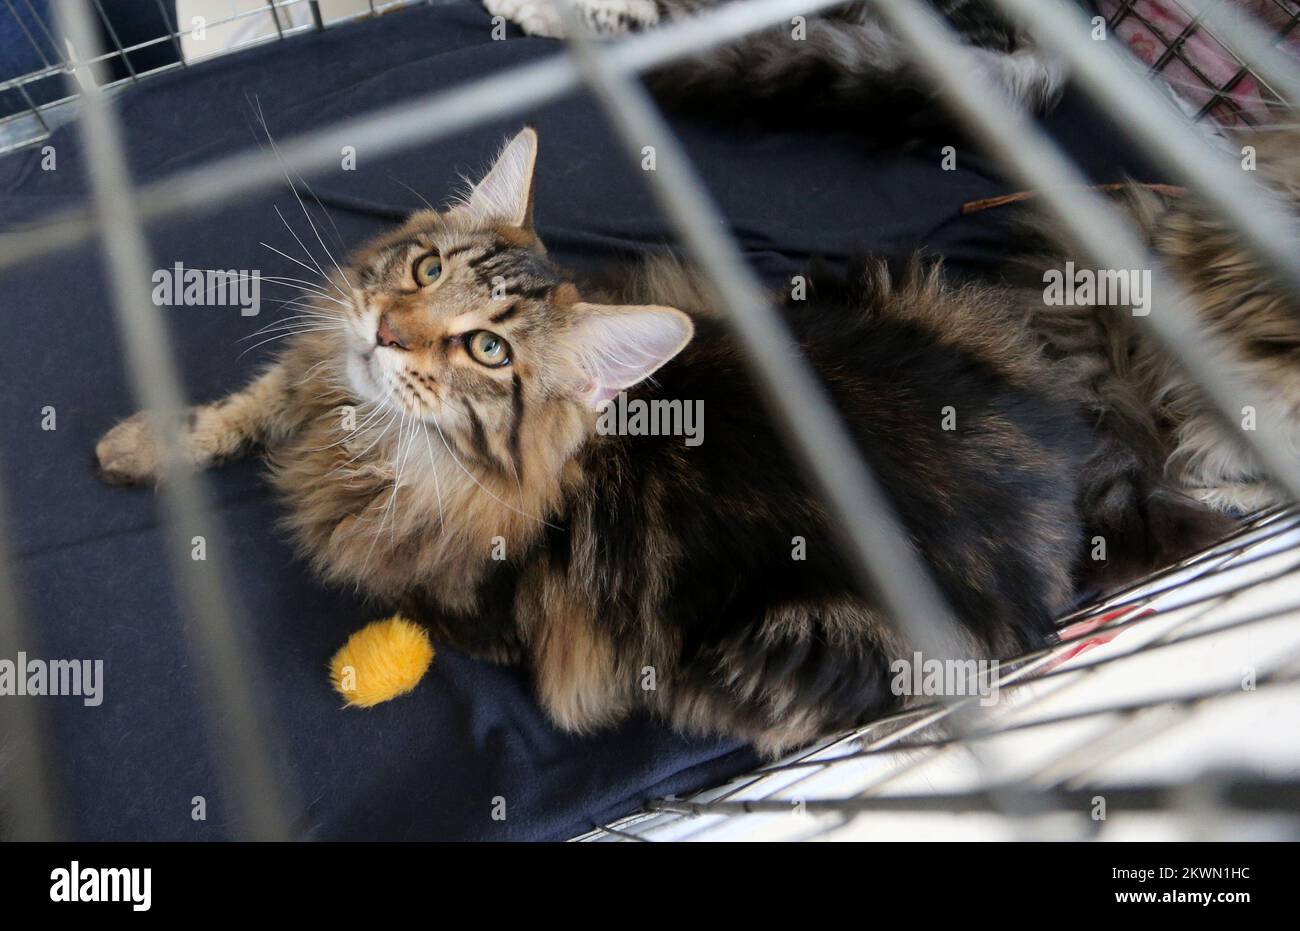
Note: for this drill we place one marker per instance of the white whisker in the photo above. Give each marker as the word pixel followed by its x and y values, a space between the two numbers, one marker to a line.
pixel 276 151
pixel 303 264
pixel 293 332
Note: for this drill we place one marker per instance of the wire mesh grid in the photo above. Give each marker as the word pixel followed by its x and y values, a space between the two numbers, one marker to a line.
pixel 1164 35
pixel 34 103
pixel 838 780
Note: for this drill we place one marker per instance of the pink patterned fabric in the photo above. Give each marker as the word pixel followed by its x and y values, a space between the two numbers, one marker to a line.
pixel 1150 27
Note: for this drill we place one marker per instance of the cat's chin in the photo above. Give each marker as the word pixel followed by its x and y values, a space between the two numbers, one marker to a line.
pixel 362 380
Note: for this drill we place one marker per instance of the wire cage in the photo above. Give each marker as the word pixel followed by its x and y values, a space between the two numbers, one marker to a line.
pixel 186 32
pixel 1125 711
pixel 1214 82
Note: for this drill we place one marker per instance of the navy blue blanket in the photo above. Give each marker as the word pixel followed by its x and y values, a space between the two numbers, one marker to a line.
pixel 91 558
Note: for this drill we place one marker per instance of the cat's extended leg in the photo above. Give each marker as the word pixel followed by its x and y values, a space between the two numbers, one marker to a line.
pixel 131 452
pixel 603 17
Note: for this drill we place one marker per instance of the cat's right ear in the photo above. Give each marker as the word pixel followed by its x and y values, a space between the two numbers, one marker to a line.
pixel 505 195
pixel 617 346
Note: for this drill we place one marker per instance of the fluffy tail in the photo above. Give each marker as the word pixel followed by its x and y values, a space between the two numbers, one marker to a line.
pixel 838 68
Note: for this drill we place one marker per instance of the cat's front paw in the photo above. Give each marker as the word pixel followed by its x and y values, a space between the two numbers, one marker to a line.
pixel 535 17
pixel 130 453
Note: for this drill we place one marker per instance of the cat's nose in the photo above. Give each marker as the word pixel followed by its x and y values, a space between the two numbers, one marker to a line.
pixel 388 335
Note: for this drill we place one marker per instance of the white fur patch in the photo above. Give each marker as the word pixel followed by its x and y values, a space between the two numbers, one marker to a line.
pixel 1026 76
pixel 603 17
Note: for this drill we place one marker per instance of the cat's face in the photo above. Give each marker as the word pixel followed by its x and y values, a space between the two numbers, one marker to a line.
pixel 460 320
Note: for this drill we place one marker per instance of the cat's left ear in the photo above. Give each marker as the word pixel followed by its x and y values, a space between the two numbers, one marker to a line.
pixel 616 346
pixel 505 195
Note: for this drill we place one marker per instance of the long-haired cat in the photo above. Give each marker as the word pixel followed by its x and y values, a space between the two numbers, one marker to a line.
pixel 442 441
pixel 842 59
pixel 1134 388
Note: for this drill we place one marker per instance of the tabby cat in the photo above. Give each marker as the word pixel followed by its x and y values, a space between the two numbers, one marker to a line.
pixel 438 444
pixel 1137 389
pixel 841 59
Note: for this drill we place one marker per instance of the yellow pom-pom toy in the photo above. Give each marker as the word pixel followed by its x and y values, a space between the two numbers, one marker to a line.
pixel 382 660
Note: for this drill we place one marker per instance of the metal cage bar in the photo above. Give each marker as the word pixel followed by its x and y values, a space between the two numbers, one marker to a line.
pixel 230 681
pixel 34 800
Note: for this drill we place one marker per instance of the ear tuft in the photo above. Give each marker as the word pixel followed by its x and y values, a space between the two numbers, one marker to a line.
pixel 505 195
pixel 617 346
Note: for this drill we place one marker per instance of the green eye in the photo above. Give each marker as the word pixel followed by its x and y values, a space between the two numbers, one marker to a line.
pixel 488 349
pixel 427 269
